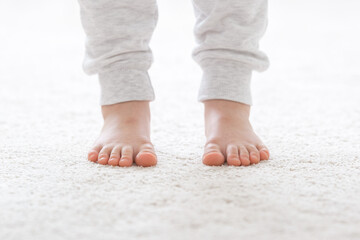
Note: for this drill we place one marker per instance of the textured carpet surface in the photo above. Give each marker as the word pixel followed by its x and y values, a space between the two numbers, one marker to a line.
pixel 306 109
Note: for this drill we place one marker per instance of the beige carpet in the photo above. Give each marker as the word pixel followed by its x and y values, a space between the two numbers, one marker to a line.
pixel 306 109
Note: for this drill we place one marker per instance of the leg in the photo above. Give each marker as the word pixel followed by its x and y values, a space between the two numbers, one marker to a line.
pixel 228 33
pixel 117 49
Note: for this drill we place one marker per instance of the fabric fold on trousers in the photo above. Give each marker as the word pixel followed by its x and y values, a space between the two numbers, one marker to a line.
pixel 117 47
pixel 227 34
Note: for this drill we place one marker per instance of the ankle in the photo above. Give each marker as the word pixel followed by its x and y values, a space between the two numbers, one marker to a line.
pixel 219 108
pixel 127 110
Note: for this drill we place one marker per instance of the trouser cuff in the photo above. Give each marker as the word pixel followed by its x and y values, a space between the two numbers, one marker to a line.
pixel 225 79
pixel 125 85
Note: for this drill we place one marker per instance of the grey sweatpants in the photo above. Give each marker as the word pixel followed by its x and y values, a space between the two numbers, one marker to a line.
pixel 227 33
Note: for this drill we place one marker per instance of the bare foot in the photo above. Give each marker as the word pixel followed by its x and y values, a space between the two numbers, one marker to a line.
pixel 125 136
pixel 230 136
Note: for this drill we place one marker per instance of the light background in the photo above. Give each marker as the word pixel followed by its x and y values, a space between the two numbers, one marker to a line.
pixel 306 109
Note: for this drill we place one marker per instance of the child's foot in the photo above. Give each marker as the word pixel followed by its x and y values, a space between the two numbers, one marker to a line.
pixel 230 136
pixel 125 136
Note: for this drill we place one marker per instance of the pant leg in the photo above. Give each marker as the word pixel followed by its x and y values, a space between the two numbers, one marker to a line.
pixel 227 33
pixel 118 33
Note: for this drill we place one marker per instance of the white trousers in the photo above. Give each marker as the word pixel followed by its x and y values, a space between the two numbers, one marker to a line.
pixel 227 33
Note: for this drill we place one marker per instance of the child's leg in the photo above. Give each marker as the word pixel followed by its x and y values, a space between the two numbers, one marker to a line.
pixel 227 33
pixel 117 48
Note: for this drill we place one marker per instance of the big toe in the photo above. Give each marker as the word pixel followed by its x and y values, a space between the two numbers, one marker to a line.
pixel 212 155
pixel 146 159
pixel 213 159
pixel 146 156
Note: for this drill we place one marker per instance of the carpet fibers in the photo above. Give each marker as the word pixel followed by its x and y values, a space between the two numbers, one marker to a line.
pixel 306 109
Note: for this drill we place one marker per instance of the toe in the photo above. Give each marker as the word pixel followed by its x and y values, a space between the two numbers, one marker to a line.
pixel 146 159
pixel 264 155
pixel 126 159
pixel 212 155
pixel 232 155
pixel 146 156
pixel 94 153
pixel 254 154
pixel 264 152
pixel 244 155
pixel 115 156
pixel 104 155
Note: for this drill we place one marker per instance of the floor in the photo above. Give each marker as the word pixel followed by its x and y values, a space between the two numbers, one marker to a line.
pixel 306 109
